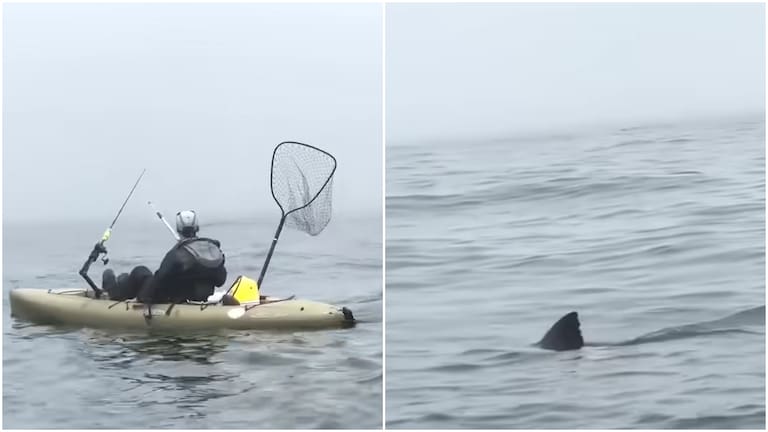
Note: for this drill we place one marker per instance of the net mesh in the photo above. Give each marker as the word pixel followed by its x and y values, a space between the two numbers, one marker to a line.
pixel 302 185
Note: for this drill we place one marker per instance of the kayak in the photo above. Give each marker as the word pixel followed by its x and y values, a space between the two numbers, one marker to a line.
pixel 78 307
pixel 293 163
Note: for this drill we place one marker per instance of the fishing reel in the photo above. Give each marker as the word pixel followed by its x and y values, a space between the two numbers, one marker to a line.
pixel 99 249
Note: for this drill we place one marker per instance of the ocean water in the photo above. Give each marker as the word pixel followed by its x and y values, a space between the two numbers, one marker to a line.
pixel 640 229
pixel 87 378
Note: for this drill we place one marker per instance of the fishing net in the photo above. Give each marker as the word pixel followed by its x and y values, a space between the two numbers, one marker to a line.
pixel 302 185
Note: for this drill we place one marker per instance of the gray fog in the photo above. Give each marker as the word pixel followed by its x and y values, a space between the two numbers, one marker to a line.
pixel 198 94
pixel 468 69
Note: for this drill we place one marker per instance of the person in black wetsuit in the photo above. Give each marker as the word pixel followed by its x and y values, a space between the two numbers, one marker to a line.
pixel 190 270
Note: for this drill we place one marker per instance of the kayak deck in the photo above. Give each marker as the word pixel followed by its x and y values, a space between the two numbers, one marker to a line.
pixel 76 307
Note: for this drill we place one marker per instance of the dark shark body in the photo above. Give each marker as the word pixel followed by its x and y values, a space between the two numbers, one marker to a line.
pixel 565 334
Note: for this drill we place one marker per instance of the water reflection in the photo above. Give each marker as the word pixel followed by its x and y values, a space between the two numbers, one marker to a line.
pixel 121 350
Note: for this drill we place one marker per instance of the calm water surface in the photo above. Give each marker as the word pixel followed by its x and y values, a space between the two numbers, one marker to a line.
pixel 490 241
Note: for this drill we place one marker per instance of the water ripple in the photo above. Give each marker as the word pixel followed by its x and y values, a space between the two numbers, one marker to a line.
pixel 639 229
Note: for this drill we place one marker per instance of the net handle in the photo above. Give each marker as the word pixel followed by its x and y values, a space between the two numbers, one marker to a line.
pixel 272 180
pixel 284 215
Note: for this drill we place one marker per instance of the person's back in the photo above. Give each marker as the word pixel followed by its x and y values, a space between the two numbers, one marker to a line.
pixel 190 270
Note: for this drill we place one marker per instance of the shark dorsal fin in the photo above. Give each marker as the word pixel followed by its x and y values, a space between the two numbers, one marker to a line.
pixel 565 334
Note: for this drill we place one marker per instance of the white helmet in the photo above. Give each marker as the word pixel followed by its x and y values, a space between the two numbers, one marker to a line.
pixel 186 223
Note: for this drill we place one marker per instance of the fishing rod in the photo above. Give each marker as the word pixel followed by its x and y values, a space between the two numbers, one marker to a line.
pixel 99 248
pixel 167 225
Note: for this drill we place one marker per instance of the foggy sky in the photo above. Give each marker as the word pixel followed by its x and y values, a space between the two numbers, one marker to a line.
pixel 198 94
pixel 458 69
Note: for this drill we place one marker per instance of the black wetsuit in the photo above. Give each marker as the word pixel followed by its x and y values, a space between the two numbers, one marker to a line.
pixel 190 271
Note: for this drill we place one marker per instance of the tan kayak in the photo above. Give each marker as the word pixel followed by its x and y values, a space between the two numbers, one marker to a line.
pixel 76 307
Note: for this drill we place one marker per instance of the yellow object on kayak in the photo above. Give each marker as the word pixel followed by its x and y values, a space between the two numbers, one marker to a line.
pixel 245 290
